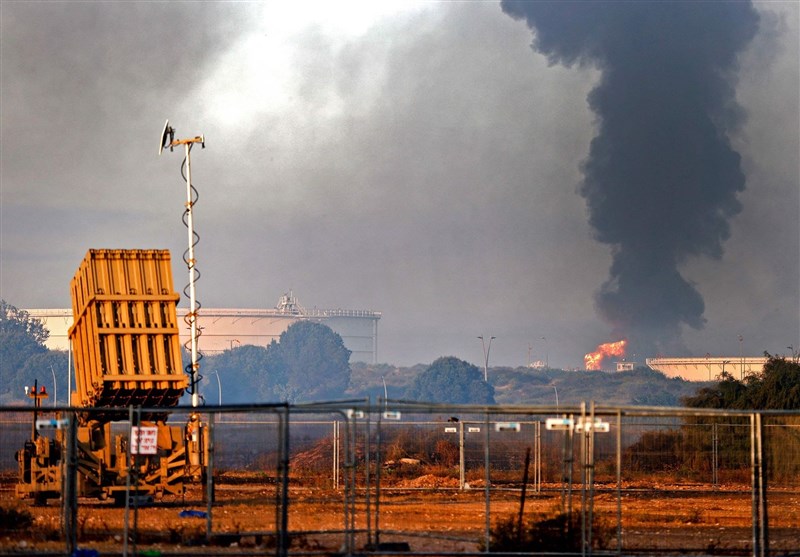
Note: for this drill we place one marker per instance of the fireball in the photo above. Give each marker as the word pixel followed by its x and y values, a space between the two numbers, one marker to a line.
pixel 594 360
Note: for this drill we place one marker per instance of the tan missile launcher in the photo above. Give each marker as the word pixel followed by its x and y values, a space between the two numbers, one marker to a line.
pixel 125 333
pixel 125 339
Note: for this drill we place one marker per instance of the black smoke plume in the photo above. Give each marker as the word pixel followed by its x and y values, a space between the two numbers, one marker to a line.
pixel 661 179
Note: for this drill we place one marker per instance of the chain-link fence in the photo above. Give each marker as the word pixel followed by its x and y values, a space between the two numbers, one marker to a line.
pixel 352 477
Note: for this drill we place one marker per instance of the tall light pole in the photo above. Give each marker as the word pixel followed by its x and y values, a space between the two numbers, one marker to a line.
pixel 741 359
pixel 486 350
pixel 168 140
pixel 546 355
pixel 55 387
pixel 219 388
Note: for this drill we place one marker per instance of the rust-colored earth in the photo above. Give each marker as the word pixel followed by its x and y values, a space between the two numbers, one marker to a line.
pixel 427 512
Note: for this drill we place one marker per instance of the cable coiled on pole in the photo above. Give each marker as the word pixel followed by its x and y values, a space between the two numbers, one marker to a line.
pixel 192 314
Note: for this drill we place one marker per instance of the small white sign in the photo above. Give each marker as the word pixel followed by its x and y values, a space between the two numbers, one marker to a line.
pixel 599 426
pixel 507 426
pixel 451 430
pixel 558 424
pixel 391 415
pixel 144 440
pixel 49 422
pixel 473 429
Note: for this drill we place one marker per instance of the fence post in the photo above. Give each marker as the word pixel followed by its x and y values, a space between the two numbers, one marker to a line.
pixel 461 462
pixel 758 474
pixel 584 440
pixel 619 482
pixel 367 448
pixel 538 457
pixel 283 465
pixel 487 479
pixel 209 474
pixel 336 453
pixel 378 469
pixel 70 486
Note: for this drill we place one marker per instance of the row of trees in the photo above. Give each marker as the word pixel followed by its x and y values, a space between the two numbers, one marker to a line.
pixel 704 443
pixel 308 363
pixel 24 358
pixel 311 363
pixel 776 387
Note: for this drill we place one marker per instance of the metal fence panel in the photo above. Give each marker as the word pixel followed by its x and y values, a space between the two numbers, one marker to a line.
pixel 352 478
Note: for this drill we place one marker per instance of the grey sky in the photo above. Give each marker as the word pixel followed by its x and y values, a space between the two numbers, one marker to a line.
pixel 422 162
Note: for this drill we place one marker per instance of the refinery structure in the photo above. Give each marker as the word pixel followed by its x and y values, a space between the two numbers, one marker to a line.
pixel 708 368
pixel 229 328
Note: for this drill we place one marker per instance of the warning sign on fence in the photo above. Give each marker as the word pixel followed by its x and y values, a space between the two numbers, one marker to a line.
pixel 144 440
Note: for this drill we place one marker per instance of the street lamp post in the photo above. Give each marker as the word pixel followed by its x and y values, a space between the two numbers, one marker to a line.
pixel 486 351
pixel 219 389
pixel 55 387
pixel 741 359
pixel 546 354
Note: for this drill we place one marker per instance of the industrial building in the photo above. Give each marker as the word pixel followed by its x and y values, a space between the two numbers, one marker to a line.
pixel 225 329
pixel 708 368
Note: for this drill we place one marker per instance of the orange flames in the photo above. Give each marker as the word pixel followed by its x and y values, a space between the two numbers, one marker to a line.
pixel 594 360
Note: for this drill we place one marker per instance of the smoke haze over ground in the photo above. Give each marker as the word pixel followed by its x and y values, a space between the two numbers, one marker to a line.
pixel 415 159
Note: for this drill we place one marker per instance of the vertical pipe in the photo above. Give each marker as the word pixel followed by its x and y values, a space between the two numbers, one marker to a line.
pixel 191 263
pixel 210 475
pixel 584 438
pixel 569 460
pixel 367 502
pixel 590 473
pixel 283 529
pixel 461 469
pixel 34 431
pixel 762 488
pixel 564 470
pixel 348 466
pixel 374 340
pixel 69 373
pixel 127 483
pixel 538 457
pixel 522 495
pixel 715 454
pixel 352 475
pixel 619 482
pixel 487 479
pixel 379 467
pixel 70 487
pixel 335 449
pixel 754 487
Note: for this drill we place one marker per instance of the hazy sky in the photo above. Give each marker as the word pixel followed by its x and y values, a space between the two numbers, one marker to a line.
pixel 418 159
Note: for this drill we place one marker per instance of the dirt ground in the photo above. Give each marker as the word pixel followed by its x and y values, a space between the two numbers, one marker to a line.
pixel 429 514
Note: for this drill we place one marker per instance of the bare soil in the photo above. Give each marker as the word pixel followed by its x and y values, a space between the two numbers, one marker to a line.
pixel 427 512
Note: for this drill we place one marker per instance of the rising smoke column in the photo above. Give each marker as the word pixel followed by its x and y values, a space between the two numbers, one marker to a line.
pixel 661 179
